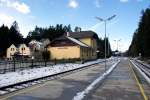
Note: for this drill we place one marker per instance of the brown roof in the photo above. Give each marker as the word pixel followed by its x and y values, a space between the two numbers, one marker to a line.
pixel 76 36
pixel 83 34
pixel 66 41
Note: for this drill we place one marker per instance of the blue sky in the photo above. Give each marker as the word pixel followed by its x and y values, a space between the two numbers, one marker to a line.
pixel 29 13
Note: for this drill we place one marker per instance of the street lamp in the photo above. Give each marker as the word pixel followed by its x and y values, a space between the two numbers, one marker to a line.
pixel 32 58
pixel 105 21
pixel 108 45
pixel 22 54
pixel 97 51
pixel 117 46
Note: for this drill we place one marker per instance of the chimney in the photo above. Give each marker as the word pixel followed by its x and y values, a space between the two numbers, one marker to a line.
pixel 68 34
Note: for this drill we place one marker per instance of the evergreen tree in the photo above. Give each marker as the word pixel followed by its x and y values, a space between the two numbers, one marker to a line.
pixel 141 38
pixel 52 32
pixel 77 29
pixel 101 48
pixel 9 36
pixel 14 34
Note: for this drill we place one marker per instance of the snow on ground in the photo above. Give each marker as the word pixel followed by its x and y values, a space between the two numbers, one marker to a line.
pixel 82 94
pixel 3 92
pixel 29 74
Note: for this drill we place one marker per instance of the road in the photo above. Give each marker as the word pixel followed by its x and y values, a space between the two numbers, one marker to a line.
pixel 119 85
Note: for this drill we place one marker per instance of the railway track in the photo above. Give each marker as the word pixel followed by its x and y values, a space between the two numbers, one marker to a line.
pixel 143 68
pixel 18 86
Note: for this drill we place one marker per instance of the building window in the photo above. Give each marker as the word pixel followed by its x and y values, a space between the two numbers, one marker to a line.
pixel 12 49
pixel 22 48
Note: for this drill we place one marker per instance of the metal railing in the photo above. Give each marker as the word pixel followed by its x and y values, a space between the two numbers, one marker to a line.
pixel 15 65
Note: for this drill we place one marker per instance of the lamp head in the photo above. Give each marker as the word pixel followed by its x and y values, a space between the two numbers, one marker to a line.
pixel 100 19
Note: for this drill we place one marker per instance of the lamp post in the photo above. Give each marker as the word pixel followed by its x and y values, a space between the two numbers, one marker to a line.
pixel 108 45
pixel 22 54
pixel 117 46
pixel 105 22
pixel 97 51
pixel 32 58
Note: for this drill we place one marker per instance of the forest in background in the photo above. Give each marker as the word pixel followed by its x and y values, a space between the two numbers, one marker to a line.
pixel 141 38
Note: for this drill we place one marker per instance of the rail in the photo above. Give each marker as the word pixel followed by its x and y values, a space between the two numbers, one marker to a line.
pixel 142 69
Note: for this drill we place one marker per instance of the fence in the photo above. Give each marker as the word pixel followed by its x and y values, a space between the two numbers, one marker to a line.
pixel 21 64
pixel 14 65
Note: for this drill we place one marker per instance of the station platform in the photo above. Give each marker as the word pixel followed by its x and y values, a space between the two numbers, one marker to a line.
pixel 121 85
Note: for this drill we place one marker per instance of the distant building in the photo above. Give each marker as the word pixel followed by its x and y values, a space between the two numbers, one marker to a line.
pixel 38 47
pixel 20 50
pixel 79 45
pixel 45 42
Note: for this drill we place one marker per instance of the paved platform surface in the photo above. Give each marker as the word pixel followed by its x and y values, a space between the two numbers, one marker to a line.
pixel 120 85
pixel 64 88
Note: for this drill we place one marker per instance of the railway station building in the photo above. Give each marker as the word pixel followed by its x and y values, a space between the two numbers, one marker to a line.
pixel 74 45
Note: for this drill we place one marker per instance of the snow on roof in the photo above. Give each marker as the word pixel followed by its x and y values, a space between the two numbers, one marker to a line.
pixel 77 41
pixel 35 42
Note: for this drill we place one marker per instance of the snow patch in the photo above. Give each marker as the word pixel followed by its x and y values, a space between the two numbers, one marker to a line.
pixel 3 92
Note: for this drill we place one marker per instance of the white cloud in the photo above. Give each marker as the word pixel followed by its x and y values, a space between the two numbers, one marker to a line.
pixel 73 4
pixel 15 4
pixel 6 19
pixel 98 3
pixel 124 1
pixel 21 7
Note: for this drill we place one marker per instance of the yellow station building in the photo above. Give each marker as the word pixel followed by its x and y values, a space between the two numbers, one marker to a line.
pixel 74 45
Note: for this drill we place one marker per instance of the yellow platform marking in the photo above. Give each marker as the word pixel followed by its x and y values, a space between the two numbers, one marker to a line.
pixel 138 83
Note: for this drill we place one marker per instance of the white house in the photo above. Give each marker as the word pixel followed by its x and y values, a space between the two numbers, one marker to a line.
pixel 11 51
pixel 24 50
pixel 21 50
